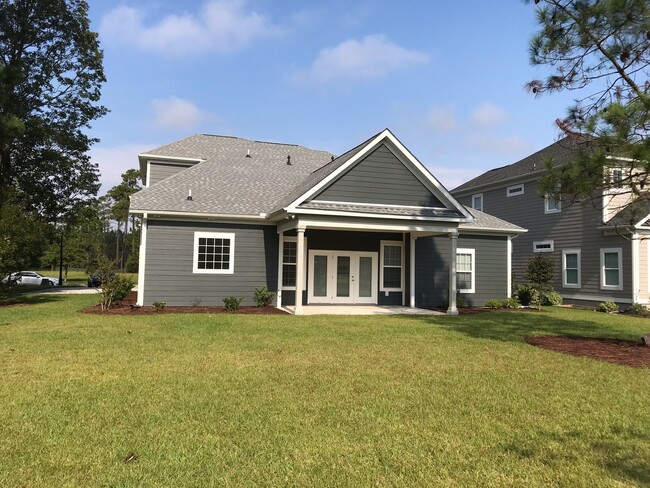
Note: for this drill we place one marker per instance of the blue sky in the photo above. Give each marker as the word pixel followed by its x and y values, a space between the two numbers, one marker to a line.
pixel 446 77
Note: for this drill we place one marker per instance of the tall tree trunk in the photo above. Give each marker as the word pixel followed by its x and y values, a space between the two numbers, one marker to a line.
pixel 117 243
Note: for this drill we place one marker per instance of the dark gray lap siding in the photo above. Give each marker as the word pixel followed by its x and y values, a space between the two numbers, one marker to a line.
pixel 432 269
pixel 168 263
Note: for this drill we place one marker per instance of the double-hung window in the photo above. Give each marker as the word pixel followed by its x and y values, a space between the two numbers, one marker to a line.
pixel 289 263
pixel 214 253
pixel 391 265
pixel 477 201
pixel 611 268
pixel 571 268
pixel 465 270
pixel 552 204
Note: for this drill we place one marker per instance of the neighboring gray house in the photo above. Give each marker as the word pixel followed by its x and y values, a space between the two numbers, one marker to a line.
pixel 223 215
pixel 599 245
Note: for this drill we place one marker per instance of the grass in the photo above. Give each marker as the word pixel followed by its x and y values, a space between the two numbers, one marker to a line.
pixel 236 400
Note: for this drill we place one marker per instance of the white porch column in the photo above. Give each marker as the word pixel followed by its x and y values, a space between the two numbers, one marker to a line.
pixel 636 282
pixel 452 310
pixel 412 273
pixel 280 254
pixel 142 259
pixel 509 261
pixel 300 268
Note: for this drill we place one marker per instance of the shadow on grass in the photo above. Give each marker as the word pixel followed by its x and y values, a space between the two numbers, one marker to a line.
pixel 514 326
pixel 31 299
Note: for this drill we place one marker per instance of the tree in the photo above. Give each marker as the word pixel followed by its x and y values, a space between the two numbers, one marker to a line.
pixel 50 78
pixel 21 241
pixel 120 196
pixel 599 49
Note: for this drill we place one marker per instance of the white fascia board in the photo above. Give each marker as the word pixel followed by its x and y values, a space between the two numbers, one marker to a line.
pixel 145 158
pixel 642 222
pixel 361 225
pixel 336 213
pixel 491 230
pixel 152 214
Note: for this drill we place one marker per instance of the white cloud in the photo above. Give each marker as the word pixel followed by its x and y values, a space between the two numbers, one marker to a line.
pixel 219 26
pixel 177 113
pixel 442 119
pixel 488 115
pixel 113 161
pixel 510 145
pixel 374 56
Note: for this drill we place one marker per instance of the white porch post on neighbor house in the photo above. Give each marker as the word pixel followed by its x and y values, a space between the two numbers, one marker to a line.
pixel 452 310
pixel 412 272
pixel 280 255
pixel 636 267
pixel 300 268
pixel 509 264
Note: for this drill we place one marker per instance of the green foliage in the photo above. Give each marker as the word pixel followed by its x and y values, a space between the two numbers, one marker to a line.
pixel 113 287
pixel 263 297
pixel 50 78
pixel 159 306
pixel 21 239
pixel 551 297
pixel 132 263
pixel 639 309
pixel 540 270
pixel 602 45
pixel 511 302
pixel 493 303
pixel 232 303
pixel 607 307
pixel 527 295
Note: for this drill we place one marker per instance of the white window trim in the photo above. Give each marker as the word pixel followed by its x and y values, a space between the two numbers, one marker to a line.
pixel 515 187
pixel 478 195
pixel 547 209
pixel 304 281
pixel 536 245
pixel 471 252
pixel 619 251
pixel 213 235
pixel 382 244
pixel 565 284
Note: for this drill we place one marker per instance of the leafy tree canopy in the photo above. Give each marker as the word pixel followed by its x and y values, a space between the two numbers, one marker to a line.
pixel 601 50
pixel 50 78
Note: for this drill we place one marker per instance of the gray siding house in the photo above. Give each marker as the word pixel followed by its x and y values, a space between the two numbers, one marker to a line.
pixel 223 216
pixel 599 247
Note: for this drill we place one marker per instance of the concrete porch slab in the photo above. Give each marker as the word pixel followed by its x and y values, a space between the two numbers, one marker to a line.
pixel 361 310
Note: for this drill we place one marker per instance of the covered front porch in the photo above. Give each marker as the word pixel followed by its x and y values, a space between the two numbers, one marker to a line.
pixel 357 265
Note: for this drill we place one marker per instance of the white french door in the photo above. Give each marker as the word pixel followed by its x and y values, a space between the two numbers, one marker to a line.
pixel 342 277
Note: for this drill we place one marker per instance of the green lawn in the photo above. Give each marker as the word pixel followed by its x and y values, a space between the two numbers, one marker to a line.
pixel 235 400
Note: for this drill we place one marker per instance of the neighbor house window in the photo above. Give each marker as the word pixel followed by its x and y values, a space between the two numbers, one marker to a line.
pixel 289 263
pixel 214 252
pixel 543 246
pixel 391 265
pixel 465 270
pixel 477 201
pixel 513 191
pixel 617 175
pixel 611 268
pixel 571 268
pixel 552 204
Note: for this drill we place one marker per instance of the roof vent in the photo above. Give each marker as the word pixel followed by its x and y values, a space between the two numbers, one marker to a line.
pixel 189 195
pixel 248 153
pixel 288 159
pixel 332 158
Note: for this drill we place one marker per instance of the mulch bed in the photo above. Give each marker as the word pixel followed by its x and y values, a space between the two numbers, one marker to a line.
pixel 127 306
pixel 617 351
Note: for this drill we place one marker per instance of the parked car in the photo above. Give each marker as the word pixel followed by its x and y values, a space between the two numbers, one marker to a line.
pixel 30 278
pixel 95 280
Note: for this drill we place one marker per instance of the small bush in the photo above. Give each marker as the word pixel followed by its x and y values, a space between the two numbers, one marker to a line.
pixel 196 302
pixel 232 303
pixel 493 304
pixel 159 306
pixel 607 307
pixel 511 302
pixel 263 297
pixel 113 287
pixel 639 309
pixel 551 297
pixel 527 295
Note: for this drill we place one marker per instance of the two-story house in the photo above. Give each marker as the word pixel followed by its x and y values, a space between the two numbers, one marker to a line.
pixel 599 245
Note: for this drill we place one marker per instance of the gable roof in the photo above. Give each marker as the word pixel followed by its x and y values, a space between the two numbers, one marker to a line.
pixel 487 222
pixel 633 214
pixel 302 195
pixel 560 152
pixel 226 181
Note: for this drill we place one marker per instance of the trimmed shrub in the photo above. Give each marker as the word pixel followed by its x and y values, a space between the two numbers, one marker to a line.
pixel 511 302
pixel 232 303
pixel 540 270
pixel 112 286
pixel 159 306
pixel 527 295
pixel 607 307
pixel 639 309
pixel 551 298
pixel 493 304
pixel 263 297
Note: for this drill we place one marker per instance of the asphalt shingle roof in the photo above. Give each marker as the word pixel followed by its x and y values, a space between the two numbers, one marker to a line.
pixel 228 182
pixel 487 221
pixel 560 152
pixel 632 214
